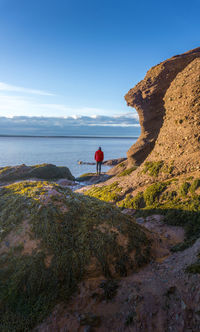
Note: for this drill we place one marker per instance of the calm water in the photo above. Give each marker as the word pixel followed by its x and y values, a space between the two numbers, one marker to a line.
pixel 61 151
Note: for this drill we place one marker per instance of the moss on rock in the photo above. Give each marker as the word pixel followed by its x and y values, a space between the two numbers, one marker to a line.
pixel 184 189
pixel 152 193
pixel 194 186
pixel 67 237
pixel 128 171
pixel 109 193
pixel 176 201
pixel 130 202
pixel 152 167
pixel 194 268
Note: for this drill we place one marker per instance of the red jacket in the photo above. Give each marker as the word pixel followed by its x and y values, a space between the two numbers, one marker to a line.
pixel 99 155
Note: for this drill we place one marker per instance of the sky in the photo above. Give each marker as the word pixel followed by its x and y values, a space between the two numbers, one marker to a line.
pixel 74 58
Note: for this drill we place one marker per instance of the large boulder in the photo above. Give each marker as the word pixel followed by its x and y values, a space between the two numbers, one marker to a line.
pixel 51 239
pixel 41 171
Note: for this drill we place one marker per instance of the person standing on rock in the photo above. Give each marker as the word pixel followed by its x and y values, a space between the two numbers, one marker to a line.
pixel 99 158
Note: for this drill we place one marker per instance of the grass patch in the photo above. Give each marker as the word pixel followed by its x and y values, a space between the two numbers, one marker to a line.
pixel 130 202
pixel 109 193
pixel 152 193
pixel 128 171
pixel 184 189
pixel 121 164
pixel 194 268
pixel 194 186
pixel 153 167
pixel 86 174
pixel 85 177
pixel 180 207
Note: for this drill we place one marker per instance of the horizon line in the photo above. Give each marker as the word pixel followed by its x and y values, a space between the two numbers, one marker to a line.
pixel 69 136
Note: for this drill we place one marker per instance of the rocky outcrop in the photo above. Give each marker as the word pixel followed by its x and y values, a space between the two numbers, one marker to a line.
pixel 110 162
pixel 43 171
pixel 50 240
pixel 168 104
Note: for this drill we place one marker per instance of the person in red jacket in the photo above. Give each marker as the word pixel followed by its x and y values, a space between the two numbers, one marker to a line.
pixel 99 158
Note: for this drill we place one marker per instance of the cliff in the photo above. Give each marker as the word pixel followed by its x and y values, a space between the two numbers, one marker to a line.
pixel 168 104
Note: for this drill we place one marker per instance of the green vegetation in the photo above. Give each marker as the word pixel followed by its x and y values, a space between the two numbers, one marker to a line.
pixel 107 193
pixel 153 167
pixel 152 193
pixel 130 202
pixel 70 231
pixel 195 185
pixel 86 174
pixel 4 170
pixel 194 268
pixel 168 168
pixel 121 164
pixel 128 171
pixel 184 189
pixel 179 205
pixel 85 177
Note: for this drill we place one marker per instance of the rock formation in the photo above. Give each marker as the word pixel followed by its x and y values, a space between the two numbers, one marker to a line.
pixel 51 239
pixel 168 104
pixel 43 171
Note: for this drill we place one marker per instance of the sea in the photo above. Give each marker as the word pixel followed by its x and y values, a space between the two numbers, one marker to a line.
pixel 62 151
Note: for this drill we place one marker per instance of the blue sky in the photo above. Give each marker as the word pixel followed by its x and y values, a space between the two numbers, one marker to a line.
pixel 63 58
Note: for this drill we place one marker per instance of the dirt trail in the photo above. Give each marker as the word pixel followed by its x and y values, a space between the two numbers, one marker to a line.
pixel 160 297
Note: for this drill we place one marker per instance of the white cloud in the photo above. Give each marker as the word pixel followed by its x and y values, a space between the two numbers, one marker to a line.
pixel 110 121
pixel 82 125
pixel 11 105
pixel 13 88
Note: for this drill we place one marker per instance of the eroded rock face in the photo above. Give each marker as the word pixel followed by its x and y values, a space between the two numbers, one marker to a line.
pixel 167 98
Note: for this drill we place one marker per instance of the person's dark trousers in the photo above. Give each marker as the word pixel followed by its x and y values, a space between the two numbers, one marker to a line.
pixel 98 166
